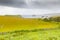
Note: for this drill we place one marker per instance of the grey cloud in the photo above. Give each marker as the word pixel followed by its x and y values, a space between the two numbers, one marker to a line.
pixel 31 3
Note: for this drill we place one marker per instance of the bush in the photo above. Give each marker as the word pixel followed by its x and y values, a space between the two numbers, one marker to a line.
pixel 57 19
pixel 46 20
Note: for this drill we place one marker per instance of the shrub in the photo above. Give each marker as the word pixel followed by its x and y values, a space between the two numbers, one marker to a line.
pixel 57 19
pixel 46 20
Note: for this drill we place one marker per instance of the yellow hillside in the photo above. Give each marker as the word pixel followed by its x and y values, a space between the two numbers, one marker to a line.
pixel 12 23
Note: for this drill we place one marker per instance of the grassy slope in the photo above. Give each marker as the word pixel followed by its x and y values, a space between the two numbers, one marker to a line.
pixel 38 35
pixel 12 23
pixel 9 23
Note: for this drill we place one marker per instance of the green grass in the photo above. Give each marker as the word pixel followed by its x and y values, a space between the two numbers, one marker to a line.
pixel 28 29
pixel 12 23
pixel 41 34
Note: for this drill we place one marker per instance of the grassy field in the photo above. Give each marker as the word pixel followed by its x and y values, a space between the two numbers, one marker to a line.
pixel 12 23
pixel 52 34
pixel 16 28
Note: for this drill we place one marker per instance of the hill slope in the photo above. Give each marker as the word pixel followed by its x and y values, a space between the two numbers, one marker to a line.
pixel 13 23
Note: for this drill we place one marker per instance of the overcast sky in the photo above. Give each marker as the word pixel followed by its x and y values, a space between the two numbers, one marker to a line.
pixel 25 7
